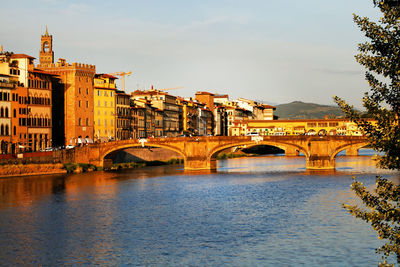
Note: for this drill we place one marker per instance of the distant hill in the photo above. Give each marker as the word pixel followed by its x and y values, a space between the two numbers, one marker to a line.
pixel 299 110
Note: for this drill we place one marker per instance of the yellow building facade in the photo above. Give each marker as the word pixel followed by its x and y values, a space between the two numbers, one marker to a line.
pixel 104 107
pixel 295 127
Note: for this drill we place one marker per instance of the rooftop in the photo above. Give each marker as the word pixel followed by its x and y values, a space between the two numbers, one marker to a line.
pixel 203 93
pixel 105 75
pixel 22 56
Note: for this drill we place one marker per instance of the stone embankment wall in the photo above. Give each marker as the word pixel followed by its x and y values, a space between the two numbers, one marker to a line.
pixel 32 158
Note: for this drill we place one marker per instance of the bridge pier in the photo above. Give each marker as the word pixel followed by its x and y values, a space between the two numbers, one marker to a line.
pixel 291 152
pixel 199 163
pixel 316 162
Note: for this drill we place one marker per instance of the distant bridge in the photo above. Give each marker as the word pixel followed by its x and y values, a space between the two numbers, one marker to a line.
pixel 199 153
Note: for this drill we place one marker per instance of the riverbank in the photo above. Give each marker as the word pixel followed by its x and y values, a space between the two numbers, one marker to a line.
pixel 14 170
pixel 30 169
pixel 134 165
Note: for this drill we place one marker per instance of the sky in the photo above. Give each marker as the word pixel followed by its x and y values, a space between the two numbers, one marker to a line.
pixel 268 50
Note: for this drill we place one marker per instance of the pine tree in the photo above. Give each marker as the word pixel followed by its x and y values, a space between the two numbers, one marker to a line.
pixel 380 55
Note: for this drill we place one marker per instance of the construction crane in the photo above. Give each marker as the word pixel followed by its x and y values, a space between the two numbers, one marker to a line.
pixel 166 89
pixel 122 74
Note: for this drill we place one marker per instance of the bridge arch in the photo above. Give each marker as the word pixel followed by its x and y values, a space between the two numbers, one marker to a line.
pixel 108 151
pixel 284 146
pixel 348 146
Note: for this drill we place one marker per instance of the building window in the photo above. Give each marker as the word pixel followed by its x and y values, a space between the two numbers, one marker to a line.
pixel 98 122
pixel 87 91
pixel 79 90
pixel 87 121
pixel 98 92
pixel 98 103
pixel 80 122
pixel 87 104
pixel 105 103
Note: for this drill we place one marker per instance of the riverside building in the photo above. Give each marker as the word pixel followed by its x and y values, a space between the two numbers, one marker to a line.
pixel 105 107
pixel 30 100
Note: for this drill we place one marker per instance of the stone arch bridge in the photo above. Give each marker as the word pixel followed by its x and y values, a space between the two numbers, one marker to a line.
pixel 199 153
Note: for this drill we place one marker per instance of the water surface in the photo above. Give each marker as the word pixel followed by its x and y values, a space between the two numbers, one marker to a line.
pixel 260 211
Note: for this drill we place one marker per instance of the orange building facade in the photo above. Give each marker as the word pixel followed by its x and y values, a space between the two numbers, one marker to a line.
pixel 39 113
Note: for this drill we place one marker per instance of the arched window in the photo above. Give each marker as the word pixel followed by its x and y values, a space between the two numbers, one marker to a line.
pixel 7 130
pixel 2 112
pixel 15 113
pixel 2 129
pixel 15 130
pixel 6 112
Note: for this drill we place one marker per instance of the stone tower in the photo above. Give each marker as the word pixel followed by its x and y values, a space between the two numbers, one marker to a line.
pixel 46 55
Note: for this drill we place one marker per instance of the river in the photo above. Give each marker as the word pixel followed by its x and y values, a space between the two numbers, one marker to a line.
pixel 262 211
